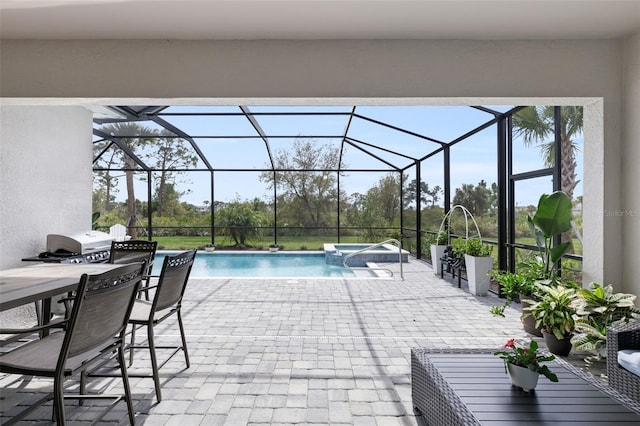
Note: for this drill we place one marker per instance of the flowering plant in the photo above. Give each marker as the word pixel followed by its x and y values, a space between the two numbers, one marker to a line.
pixel 527 357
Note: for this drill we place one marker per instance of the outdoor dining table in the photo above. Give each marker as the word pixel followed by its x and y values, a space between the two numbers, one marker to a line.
pixel 42 281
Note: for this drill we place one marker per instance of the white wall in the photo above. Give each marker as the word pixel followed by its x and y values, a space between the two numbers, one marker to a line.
pixel 39 181
pixel 374 71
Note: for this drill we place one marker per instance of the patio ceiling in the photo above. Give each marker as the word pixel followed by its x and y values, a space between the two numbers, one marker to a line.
pixel 318 19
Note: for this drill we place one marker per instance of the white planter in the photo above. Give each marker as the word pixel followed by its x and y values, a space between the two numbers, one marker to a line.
pixel 523 377
pixel 273 249
pixel 437 251
pixel 210 249
pixel 477 269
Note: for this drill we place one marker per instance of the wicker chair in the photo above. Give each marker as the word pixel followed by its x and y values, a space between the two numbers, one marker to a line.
pixel 618 338
pixel 167 301
pixel 94 331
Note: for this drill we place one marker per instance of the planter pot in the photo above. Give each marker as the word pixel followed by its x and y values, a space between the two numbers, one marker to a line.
pixel 523 377
pixel 477 269
pixel 437 251
pixel 560 347
pixel 209 249
pixel 273 249
pixel 528 322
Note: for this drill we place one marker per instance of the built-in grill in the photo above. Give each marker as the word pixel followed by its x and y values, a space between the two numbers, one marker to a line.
pixel 86 247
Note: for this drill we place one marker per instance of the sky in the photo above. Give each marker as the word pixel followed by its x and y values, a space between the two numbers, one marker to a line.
pixel 472 160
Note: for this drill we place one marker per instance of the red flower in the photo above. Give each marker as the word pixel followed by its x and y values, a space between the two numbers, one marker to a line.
pixel 510 343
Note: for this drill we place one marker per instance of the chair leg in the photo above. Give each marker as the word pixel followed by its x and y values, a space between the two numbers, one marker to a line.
pixel 83 386
pixel 58 399
pixel 154 361
pixel 125 384
pixel 133 340
pixel 184 340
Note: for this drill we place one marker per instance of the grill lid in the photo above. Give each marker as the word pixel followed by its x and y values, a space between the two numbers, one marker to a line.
pixel 86 242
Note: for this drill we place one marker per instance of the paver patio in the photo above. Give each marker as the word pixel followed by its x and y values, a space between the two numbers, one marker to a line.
pixel 297 351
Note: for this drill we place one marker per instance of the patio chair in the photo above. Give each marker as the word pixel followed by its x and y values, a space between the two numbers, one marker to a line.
pixel 135 251
pixel 622 337
pixel 94 330
pixel 167 301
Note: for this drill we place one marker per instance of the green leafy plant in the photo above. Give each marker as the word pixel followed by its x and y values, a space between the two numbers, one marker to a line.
pixel 94 220
pixel 552 218
pixel 441 239
pixel 512 285
pixel 472 247
pixel 554 313
pixel 526 356
pixel 597 308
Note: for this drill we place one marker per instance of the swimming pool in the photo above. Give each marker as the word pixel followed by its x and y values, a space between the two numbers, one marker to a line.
pixel 232 264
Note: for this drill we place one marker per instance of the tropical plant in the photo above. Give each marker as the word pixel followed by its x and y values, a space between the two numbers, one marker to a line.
pixel 554 313
pixel 552 218
pixel 597 308
pixel 527 357
pixel 240 221
pixel 537 123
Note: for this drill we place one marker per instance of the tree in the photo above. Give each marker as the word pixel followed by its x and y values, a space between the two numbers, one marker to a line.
pixel 536 123
pixel 167 153
pixel 477 199
pixel 427 194
pixel 309 196
pixel 241 221
pixel 126 132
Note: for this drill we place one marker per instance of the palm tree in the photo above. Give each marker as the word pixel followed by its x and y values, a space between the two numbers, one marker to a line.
pixel 536 123
pixel 126 132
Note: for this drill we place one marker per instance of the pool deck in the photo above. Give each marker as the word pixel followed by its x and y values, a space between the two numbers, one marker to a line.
pixel 298 351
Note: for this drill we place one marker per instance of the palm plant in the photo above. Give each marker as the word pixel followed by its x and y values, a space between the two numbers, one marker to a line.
pixel 536 123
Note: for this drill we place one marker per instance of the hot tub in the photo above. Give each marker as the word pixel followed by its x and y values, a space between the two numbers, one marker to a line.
pixel 386 253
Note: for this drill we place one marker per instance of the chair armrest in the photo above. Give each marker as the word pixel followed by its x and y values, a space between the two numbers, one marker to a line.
pixel 52 324
pixel 625 336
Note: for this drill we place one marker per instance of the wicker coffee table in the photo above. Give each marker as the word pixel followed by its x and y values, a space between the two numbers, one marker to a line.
pixel 472 388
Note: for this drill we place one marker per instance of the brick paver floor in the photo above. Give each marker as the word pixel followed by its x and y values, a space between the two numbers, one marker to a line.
pixel 296 351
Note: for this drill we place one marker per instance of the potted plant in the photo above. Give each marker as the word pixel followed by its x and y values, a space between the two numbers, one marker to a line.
pixel 523 364
pixel 554 313
pixel 552 218
pixel 478 263
pixel 438 247
pixel 209 247
pixel 513 286
pixel 597 308
pixel 273 248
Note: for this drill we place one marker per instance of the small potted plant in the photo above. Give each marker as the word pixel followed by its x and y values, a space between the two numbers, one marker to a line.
pixel 209 247
pixel 438 246
pixel 478 263
pixel 273 248
pixel 523 364
pixel 554 313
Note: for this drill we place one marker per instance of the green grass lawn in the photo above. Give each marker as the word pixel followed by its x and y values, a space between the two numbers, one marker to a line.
pixel 288 243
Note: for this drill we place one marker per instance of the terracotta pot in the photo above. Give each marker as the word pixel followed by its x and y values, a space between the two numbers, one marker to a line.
pixel 528 321
pixel 560 347
pixel 523 377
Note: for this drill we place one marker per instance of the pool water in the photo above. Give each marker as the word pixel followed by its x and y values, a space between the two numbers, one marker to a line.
pixel 219 264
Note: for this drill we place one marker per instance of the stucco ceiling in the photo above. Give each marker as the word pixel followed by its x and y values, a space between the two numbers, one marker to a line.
pixel 318 19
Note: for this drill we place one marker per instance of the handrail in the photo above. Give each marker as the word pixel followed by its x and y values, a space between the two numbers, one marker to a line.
pixel 355 253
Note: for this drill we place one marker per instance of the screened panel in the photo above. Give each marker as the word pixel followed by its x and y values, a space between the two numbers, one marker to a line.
pixel 235 153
